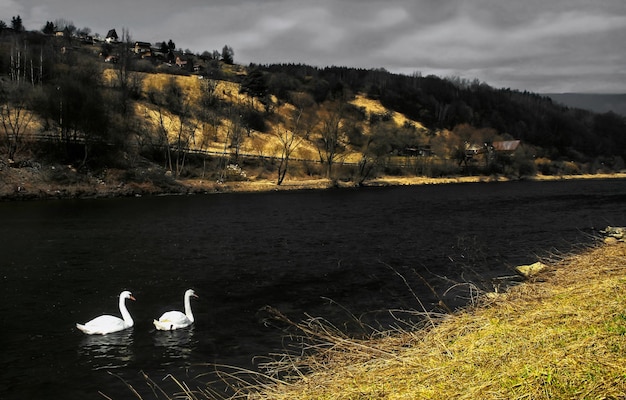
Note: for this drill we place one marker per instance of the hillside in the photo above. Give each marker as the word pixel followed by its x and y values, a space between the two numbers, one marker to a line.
pixel 101 107
pixel 599 103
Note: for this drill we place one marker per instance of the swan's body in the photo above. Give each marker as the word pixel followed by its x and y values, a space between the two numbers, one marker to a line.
pixel 175 319
pixel 108 323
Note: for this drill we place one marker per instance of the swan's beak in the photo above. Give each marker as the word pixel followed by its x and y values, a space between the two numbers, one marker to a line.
pixel 195 295
pixel 132 298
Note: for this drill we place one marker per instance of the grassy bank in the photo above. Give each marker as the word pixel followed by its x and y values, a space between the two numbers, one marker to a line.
pixel 39 182
pixel 561 335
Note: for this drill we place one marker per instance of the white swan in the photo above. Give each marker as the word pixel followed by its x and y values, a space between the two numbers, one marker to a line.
pixel 175 319
pixel 108 323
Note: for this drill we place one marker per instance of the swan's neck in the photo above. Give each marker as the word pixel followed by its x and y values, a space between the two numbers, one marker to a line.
pixel 125 314
pixel 188 307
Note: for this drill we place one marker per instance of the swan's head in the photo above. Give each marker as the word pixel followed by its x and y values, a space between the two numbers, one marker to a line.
pixel 126 295
pixel 191 293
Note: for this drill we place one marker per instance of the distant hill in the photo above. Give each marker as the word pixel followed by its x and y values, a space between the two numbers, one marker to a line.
pixel 600 103
pixel 113 104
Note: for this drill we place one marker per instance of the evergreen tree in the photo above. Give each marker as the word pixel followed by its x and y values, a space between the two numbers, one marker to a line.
pixel 49 29
pixel 16 24
pixel 255 84
pixel 228 55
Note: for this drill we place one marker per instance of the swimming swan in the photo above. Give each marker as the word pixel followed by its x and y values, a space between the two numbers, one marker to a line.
pixel 175 319
pixel 108 323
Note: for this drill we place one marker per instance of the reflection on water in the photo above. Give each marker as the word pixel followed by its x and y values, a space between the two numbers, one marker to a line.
pixel 177 344
pixel 119 350
pixel 114 350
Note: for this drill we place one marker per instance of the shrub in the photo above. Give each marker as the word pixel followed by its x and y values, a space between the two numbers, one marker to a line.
pixel 570 168
pixel 545 166
pixel 234 173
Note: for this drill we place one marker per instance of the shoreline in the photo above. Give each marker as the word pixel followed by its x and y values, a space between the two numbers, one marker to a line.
pixel 29 184
pixel 491 350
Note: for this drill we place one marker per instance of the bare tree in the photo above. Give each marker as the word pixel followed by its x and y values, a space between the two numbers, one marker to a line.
pixel 374 148
pixel 235 134
pixel 186 127
pixel 207 115
pixel 15 116
pixel 126 81
pixel 330 129
pixel 25 63
pixel 173 116
pixel 308 118
pixel 128 84
pixel 207 109
pixel 157 114
pixel 233 139
pixel 289 140
pixel 83 118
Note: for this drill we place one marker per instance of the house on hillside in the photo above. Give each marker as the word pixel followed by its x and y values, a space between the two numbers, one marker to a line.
pixel 487 153
pixel 112 37
pixel 506 146
pixel 182 63
pixel 142 48
pixel 503 148
pixel 472 150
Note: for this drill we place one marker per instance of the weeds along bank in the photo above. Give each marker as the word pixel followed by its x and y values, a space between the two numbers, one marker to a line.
pixel 33 180
pixel 560 335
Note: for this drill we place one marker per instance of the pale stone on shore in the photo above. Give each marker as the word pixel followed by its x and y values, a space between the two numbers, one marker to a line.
pixel 531 269
pixel 614 234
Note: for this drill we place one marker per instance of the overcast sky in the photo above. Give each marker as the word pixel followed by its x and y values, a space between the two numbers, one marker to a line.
pixel 538 45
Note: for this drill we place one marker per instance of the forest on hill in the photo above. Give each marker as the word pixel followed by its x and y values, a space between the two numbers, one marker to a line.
pixel 113 103
pixel 597 102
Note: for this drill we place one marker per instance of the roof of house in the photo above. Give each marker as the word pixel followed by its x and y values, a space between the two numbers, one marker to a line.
pixel 506 145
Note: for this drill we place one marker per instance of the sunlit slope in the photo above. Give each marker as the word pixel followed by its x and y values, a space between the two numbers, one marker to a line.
pixel 214 137
pixel 374 107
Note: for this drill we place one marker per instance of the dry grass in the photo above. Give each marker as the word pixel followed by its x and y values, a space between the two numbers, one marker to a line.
pixel 375 107
pixel 562 336
pixel 229 92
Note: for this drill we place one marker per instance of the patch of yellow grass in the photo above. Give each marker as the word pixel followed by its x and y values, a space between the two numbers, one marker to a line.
pixel 256 143
pixel 615 175
pixel 562 336
pixel 374 107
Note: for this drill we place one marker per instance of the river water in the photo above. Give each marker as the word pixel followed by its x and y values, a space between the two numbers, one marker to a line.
pixel 333 254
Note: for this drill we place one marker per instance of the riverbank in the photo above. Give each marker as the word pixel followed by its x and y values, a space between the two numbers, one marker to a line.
pixel 33 181
pixel 560 335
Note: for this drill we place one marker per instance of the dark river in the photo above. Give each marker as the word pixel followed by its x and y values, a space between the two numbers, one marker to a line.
pixel 332 254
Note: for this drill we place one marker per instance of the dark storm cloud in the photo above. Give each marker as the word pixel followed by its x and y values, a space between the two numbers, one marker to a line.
pixel 538 45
